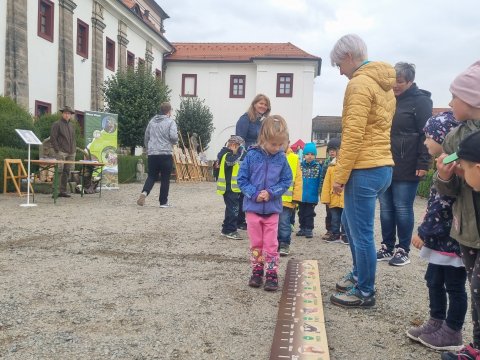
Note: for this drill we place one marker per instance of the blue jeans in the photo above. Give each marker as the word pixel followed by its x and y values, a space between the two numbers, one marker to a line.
pixel 284 225
pixel 396 214
pixel 230 199
pixel 361 192
pixel 336 215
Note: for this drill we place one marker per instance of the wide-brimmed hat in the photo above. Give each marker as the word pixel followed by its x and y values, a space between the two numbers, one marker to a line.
pixel 67 109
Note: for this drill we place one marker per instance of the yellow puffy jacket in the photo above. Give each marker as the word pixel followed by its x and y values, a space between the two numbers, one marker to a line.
pixel 368 109
pixel 328 196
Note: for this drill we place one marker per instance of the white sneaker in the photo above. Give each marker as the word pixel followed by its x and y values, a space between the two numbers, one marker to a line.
pixel 167 205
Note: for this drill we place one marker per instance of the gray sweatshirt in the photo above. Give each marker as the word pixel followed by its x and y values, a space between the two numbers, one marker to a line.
pixel 160 135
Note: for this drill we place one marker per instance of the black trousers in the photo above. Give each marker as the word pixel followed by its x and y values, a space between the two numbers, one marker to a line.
pixel 306 214
pixel 328 218
pixel 163 165
pixel 231 212
pixel 241 214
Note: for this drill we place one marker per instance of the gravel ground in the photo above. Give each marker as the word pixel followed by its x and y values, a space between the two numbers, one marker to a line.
pixel 102 278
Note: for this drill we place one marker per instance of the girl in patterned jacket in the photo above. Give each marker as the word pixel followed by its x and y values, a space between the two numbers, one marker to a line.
pixel 446 273
pixel 263 177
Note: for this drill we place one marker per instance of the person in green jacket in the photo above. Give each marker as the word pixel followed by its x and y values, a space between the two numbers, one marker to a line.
pixel 449 180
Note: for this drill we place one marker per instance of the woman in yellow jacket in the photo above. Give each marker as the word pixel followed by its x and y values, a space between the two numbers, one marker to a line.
pixel 364 167
pixel 334 201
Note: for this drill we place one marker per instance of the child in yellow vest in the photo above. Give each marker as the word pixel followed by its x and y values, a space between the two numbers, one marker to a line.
pixel 335 205
pixel 289 202
pixel 229 159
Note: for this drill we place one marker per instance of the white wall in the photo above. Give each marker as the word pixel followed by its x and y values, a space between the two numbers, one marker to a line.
pixel 3 37
pixel 42 60
pixel 82 67
pixel 213 85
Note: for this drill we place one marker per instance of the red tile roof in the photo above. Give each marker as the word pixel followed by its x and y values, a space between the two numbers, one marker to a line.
pixel 237 52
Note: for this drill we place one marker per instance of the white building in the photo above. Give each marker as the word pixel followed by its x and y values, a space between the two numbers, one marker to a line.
pixel 229 75
pixel 60 52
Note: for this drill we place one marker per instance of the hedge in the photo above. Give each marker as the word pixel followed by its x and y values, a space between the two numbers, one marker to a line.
pixel 424 186
pixel 127 168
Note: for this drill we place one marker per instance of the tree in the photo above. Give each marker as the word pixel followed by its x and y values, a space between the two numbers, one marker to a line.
pixel 195 117
pixel 135 95
pixel 13 116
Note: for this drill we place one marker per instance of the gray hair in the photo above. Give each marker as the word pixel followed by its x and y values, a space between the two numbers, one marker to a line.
pixel 405 70
pixel 348 44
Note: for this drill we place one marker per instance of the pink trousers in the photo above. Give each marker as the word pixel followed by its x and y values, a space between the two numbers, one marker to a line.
pixel 262 232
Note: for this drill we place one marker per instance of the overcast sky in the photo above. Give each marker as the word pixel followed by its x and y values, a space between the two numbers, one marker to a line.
pixel 440 37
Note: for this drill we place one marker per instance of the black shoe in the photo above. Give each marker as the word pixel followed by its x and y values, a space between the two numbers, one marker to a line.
pixel 271 282
pixel 284 249
pixel 301 232
pixel 65 195
pixel 242 226
pixel 256 280
pixel 308 234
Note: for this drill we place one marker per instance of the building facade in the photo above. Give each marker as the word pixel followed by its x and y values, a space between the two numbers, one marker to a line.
pixel 229 75
pixel 60 52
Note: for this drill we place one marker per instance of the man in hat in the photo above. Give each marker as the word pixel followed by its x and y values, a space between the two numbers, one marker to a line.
pixel 62 137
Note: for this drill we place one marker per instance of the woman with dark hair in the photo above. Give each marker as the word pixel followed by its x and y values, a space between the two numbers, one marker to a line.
pixel 364 164
pixel 412 161
pixel 248 127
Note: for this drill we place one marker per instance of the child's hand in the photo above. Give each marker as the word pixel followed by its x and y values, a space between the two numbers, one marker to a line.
pixel 417 242
pixel 445 171
pixel 267 195
pixel 263 196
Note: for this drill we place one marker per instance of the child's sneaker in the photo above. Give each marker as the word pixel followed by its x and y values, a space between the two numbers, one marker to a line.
pixel 344 239
pixel 284 249
pixel 466 353
pixel 309 234
pixel 353 298
pixel 300 232
pixel 271 281
pixel 327 235
pixel 234 235
pixel 242 226
pixel 256 280
pixel 427 327
pixel 334 238
pixel 444 338
pixel 400 258
pixel 383 254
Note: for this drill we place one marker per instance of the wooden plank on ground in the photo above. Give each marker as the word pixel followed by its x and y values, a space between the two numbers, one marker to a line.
pixel 300 331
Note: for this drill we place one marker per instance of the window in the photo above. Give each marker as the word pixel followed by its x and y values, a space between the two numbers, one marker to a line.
pixel 284 85
pixel 158 74
pixel 82 39
pixel 110 55
pixel 189 84
pixel 45 19
pixel 130 59
pixel 237 86
pixel 42 108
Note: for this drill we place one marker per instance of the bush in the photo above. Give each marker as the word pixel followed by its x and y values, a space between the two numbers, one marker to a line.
pixel 195 117
pixel 127 168
pixel 136 96
pixel 14 153
pixel 13 116
pixel 425 185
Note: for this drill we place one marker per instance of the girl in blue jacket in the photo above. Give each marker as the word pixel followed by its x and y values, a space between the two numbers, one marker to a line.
pixel 263 178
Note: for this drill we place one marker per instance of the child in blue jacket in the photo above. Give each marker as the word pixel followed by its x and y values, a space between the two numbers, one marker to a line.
pixel 263 178
pixel 311 176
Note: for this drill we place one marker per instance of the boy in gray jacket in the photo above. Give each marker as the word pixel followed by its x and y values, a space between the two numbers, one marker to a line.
pixel 161 134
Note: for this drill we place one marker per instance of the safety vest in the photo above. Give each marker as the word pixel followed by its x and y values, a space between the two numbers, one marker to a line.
pixel 292 159
pixel 221 184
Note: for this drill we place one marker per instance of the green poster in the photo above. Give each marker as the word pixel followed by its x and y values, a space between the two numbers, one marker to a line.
pixel 101 130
